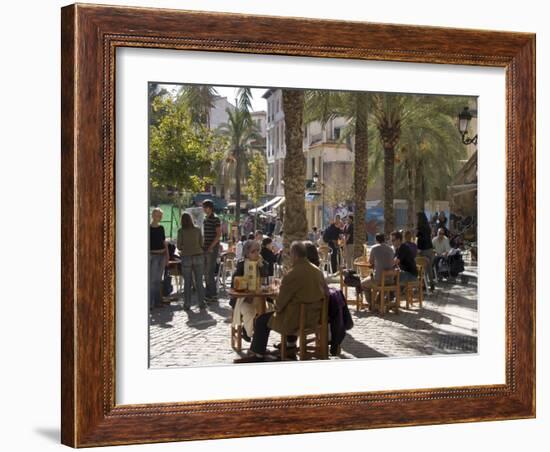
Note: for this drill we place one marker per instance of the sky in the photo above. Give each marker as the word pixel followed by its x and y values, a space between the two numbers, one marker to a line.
pixel 258 102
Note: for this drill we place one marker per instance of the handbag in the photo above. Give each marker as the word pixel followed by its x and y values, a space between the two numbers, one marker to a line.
pixel 352 279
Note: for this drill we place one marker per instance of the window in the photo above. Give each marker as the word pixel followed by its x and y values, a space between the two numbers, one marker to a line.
pixel 337 133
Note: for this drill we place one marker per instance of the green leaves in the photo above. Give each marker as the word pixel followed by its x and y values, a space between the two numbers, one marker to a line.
pixel 181 152
pixel 257 169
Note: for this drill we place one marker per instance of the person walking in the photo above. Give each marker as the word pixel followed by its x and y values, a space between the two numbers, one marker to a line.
pixel 425 246
pixel 158 257
pixel 331 237
pixel 190 246
pixel 212 234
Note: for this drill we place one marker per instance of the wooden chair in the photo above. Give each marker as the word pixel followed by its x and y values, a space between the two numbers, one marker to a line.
pixel 324 258
pixel 423 261
pixel 227 267
pixel 175 270
pixel 389 283
pixel 358 300
pixel 236 335
pixel 418 286
pixel 310 347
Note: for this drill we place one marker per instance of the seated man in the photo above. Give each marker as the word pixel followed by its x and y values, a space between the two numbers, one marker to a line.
pixel 380 258
pixel 441 247
pixel 404 258
pixel 304 283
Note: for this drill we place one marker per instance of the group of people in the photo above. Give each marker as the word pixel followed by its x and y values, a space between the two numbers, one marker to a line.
pixel 270 247
pixel 337 230
pixel 432 246
pixel 403 252
pixel 198 253
pixel 270 225
pixel 304 283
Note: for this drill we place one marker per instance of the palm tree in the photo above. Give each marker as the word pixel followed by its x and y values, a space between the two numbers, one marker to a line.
pixel 360 179
pixel 326 105
pixel 241 132
pixel 421 148
pixel 199 100
pixel 295 223
pixel 244 102
pixel 388 114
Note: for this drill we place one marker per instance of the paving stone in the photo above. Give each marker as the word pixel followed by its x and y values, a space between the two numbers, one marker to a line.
pixel 446 324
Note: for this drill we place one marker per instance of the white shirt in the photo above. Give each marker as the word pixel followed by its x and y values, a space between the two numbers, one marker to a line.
pixel 441 246
pixel 239 250
pixel 278 243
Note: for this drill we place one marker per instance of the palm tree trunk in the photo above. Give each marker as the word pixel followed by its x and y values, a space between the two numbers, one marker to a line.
pixel 410 196
pixel 238 188
pixel 420 187
pixel 389 165
pixel 295 223
pixel 361 173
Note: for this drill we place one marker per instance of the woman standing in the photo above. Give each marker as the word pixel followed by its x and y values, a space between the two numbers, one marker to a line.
pixel 192 260
pixel 268 255
pixel 158 258
pixel 424 244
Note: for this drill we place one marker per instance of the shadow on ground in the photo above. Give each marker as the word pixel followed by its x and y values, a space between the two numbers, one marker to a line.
pixel 359 349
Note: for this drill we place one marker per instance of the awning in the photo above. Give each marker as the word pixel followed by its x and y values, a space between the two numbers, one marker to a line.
pixel 462 189
pixel 269 203
pixel 279 203
pixel 312 196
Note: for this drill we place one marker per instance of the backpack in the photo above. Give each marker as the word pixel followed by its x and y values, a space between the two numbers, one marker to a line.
pixel 352 279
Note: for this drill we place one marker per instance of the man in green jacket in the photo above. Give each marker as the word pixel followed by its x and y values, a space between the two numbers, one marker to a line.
pixel 304 283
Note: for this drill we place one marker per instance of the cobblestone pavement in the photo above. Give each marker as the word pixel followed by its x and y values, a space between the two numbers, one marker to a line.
pixel 446 324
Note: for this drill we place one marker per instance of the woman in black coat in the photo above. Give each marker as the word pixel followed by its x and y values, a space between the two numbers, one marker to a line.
pixel 268 255
pixel 424 244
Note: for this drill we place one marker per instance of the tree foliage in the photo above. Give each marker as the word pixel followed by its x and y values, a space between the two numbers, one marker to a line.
pixel 181 153
pixel 241 132
pixel 255 184
pixel 199 100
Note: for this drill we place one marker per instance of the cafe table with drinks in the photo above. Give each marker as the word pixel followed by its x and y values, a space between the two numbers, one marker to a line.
pixel 254 296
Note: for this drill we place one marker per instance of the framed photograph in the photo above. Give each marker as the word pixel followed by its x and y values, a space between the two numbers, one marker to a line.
pixel 282 225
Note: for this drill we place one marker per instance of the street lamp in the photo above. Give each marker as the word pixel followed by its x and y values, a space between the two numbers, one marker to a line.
pixel 464 118
pixel 315 178
pixel 315 182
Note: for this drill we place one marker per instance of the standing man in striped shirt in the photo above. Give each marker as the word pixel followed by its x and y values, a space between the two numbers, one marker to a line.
pixel 212 234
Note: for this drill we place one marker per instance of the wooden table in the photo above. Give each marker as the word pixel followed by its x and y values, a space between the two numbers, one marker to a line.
pixel 269 293
pixel 363 266
pixel 236 331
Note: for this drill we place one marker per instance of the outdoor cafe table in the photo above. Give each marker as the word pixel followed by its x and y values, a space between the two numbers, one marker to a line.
pixel 363 267
pixel 269 292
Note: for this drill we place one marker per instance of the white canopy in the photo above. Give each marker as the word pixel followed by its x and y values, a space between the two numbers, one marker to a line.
pixel 270 203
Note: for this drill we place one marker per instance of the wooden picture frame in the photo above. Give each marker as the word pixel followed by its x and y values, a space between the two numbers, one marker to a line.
pixel 90 36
